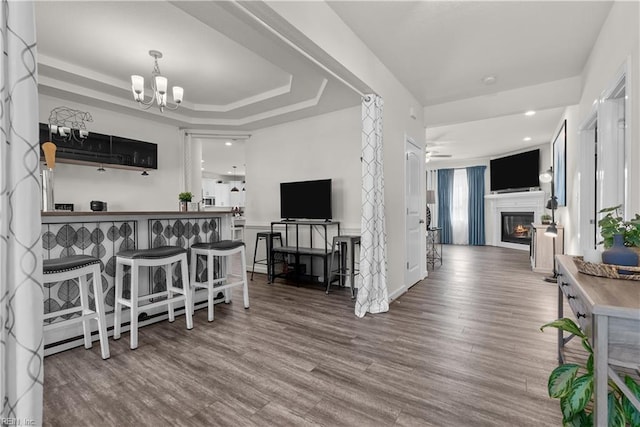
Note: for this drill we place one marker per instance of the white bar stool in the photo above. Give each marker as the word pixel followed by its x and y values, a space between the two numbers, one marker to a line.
pixel 223 248
pixel 163 256
pixel 237 229
pixel 79 267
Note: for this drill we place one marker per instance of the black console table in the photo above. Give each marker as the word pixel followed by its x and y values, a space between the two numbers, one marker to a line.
pixel 434 246
pixel 294 248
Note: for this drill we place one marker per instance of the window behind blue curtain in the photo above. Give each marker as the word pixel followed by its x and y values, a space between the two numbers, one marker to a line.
pixel 475 178
pixel 445 199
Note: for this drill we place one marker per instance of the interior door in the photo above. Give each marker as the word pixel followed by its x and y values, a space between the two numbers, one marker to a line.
pixel 415 237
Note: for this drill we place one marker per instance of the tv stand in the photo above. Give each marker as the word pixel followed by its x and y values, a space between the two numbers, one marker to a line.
pixel 296 246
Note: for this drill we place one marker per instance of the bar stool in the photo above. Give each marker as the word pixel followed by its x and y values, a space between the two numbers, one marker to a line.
pixel 346 247
pixel 268 237
pixel 237 229
pixel 79 267
pixel 163 256
pixel 223 248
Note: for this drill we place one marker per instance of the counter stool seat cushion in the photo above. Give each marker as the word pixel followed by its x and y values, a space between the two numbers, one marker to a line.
pixel 57 265
pixel 159 252
pixel 222 245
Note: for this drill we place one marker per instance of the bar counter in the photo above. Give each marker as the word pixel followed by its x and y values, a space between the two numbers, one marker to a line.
pixel 103 235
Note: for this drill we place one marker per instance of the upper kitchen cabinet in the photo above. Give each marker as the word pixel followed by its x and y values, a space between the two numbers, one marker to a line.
pixel 95 148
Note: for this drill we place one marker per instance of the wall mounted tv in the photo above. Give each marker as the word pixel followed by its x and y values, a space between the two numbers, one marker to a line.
pixel 517 172
pixel 306 199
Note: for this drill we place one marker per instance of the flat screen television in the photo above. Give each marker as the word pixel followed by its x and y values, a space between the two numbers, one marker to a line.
pixel 516 172
pixel 306 199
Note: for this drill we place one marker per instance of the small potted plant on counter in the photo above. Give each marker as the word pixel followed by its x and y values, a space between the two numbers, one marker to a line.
pixel 185 197
pixel 545 218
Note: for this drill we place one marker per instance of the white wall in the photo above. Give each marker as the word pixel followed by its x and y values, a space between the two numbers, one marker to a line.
pixel 619 40
pixel 321 147
pixel 123 190
pixel 568 215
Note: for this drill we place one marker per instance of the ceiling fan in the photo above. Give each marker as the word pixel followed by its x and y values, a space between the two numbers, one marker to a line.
pixel 429 154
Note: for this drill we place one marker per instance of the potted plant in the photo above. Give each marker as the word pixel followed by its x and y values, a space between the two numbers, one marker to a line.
pixel 185 197
pixel 573 385
pixel 545 218
pixel 612 224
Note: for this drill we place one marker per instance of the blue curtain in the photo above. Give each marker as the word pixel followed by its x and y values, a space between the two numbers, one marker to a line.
pixel 475 180
pixel 445 199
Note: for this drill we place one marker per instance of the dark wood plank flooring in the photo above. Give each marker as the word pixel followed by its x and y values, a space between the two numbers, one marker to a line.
pixel 461 348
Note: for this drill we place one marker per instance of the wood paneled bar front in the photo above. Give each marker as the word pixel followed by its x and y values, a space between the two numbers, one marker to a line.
pixel 103 235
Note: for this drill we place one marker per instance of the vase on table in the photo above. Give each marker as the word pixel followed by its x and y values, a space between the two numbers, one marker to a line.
pixel 184 206
pixel 619 254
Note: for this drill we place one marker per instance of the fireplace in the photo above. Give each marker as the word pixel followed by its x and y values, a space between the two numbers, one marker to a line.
pixel 516 227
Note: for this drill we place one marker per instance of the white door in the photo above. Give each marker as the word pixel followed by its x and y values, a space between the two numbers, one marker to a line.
pixel 414 208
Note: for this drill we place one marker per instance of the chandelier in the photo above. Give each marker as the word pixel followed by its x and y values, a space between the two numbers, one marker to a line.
pixel 158 87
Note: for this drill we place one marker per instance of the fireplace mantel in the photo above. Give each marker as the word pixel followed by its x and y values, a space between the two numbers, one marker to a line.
pixel 495 204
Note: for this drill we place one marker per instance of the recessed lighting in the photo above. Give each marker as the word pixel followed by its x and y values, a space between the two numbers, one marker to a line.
pixel 202 161
pixel 526 138
pixel 530 113
pixel 229 172
pixel 489 80
pixel 228 143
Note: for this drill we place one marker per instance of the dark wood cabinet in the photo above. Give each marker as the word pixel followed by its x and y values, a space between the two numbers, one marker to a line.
pixel 100 149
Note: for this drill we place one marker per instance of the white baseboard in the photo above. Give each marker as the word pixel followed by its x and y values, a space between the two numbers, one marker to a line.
pixel 397 293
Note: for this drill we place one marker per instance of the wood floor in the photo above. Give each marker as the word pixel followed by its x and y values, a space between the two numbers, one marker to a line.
pixel 461 348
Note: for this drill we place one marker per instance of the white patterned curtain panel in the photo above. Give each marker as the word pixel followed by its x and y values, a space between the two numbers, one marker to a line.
pixel 21 292
pixel 373 295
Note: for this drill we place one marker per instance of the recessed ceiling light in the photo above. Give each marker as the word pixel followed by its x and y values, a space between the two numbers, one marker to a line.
pixel 202 160
pixel 489 80
pixel 228 143
pixel 229 172
pixel 530 113
pixel 201 169
pixel 526 138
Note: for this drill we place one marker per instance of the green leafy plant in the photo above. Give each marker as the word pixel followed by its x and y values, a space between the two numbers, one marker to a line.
pixel 573 385
pixel 613 223
pixel 545 218
pixel 185 196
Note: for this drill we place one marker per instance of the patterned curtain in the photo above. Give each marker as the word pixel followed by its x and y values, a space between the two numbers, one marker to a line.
pixel 21 292
pixel 475 179
pixel 372 293
pixel 445 203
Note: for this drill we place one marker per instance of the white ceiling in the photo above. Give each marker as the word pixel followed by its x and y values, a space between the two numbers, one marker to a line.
pixel 236 74
pixel 442 50
pixel 239 76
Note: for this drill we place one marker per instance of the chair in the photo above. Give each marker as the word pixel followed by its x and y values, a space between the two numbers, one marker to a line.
pixel 223 248
pixel 268 237
pixel 345 246
pixel 237 228
pixel 163 256
pixel 79 267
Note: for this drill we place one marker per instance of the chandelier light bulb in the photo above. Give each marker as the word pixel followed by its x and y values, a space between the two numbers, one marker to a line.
pixel 137 84
pixel 178 93
pixel 161 85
